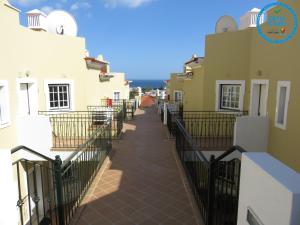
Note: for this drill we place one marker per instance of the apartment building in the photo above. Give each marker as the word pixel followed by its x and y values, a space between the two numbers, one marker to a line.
pixel 42 71
pixel 243 72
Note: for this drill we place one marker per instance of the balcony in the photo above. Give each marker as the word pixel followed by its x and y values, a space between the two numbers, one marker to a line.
pixel 209 130
pixel 71 130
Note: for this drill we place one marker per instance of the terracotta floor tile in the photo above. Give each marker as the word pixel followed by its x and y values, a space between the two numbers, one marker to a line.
pixel 142 184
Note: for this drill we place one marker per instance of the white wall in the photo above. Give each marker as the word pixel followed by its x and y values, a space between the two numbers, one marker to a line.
pixel 8 190
pixel 270 189
pixel 252 133
pixel 35 132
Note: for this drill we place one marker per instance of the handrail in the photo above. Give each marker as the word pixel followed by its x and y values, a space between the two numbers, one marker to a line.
pixel 229 151
pixel 222 156
pixel 81 149
pixel 65 112
pixel 22 147
pixel 208 111
pixel 189 137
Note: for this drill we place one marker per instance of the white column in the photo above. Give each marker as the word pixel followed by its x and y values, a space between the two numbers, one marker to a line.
pixel 165 114
pixel 8 189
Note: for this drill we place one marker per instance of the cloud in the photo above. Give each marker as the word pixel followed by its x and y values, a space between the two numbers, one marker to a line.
pixel 126 3
pixel 80 5
pixel 47 9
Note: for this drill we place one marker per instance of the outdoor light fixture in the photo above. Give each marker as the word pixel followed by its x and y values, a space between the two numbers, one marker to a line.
pixel 259 73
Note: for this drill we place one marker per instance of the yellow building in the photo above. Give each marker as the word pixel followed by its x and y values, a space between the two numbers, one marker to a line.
pixel 243 72
pixel 42 71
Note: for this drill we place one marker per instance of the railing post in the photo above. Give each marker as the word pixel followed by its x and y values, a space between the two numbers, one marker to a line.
pixel 110 134
pixel 181 111
pixel 211 191
pixel 132 112
pixel 165 114
pixel 59 190
pixel 124 109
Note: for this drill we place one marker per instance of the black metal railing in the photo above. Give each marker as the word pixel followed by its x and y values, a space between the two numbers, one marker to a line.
pixel 76 173
pixel 50 191
pixel 36 202
pixel 71 129
pixel 171 121
pixel 116 115
pixel 128 106
pixel 210 130
pixel 214 181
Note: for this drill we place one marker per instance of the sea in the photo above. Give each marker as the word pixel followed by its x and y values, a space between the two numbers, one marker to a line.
pixel 154 84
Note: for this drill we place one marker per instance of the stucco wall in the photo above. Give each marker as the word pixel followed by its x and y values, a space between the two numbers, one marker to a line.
pixel 97 90
pixel 226 58
pixel 193 90
pixel 43 56
pixel 244 55
pixel 270 189
pixel 175 84
pixel 280 62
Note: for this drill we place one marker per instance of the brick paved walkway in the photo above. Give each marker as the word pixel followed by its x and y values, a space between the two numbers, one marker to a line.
pixel 143 183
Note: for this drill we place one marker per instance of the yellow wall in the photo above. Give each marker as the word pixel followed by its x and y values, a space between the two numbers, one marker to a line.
pixel 241 55
pixel 101 90
pixel 226 58
pixel 44 56
pixel 175 84
pixel 193 90
pixel 276 63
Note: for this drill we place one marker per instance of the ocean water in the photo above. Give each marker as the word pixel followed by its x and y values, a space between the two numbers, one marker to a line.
pixel 148 83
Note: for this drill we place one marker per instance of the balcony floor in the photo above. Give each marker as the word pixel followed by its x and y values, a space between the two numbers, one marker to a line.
pixel 143 183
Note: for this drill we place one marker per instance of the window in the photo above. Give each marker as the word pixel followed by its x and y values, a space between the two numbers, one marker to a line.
pixel 59 96
pixel 117 95
pixel 230 95
pixel 178 96
pixel 283 94
pixel 4 105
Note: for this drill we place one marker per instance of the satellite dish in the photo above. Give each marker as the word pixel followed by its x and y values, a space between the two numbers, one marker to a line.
pixel 61 23
pixel 226 24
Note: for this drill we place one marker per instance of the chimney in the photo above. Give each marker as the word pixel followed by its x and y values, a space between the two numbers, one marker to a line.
pixel 37 20
pixel 250 19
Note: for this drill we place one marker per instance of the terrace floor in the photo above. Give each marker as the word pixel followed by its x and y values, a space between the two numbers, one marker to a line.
pixel 143 183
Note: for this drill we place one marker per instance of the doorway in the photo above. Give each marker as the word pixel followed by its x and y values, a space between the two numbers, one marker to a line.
pixel 27 97
pixel 259 97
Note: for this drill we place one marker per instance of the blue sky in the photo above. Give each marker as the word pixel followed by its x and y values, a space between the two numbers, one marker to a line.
pixel 146 39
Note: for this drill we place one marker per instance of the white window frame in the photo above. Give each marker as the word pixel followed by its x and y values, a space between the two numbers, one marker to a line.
pixel 181 93
pixel 115 91
pixel 71 94
pixel 218 94
pixel 280 84
pixel 7 122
